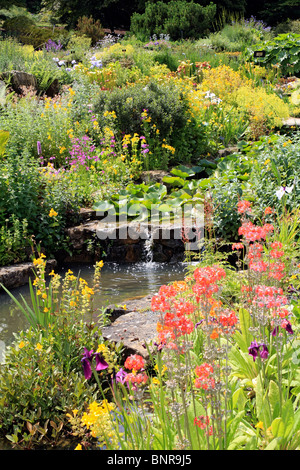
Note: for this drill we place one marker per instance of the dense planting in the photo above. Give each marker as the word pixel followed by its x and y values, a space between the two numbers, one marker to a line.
pixel 222 371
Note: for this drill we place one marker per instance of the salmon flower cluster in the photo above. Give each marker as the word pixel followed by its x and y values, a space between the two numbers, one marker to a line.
pixel 204 377
pixel 206 281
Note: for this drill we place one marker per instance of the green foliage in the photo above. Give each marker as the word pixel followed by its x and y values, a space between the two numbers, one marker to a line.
pixel 42 379
pixel 255 173
pixel 140 199
pixel 282 52
pixel 178 19
pixel 18 24
pixel 25 193
pixel 238 35
pixel 13 241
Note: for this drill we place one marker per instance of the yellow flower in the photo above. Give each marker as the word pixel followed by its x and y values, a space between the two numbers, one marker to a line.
pixel 78 447
pixel 52 213
pixel 21 345
pixel 101 348
pixel 38 347
pixel 260 425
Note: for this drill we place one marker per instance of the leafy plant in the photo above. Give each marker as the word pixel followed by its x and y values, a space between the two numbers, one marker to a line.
pixel 281 52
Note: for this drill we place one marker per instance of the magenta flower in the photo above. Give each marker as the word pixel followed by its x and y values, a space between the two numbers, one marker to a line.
pixel 286 325
pixel 120 376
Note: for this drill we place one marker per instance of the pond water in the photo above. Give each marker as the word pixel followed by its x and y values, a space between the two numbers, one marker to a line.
pixel 119 283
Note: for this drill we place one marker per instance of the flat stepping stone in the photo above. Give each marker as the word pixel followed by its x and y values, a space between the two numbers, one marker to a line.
pixel 134 326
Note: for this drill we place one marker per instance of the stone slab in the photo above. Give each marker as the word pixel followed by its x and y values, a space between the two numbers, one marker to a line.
pixel 134 327
pixel 18 275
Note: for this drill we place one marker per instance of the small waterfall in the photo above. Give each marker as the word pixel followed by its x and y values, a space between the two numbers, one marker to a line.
pixel 148 248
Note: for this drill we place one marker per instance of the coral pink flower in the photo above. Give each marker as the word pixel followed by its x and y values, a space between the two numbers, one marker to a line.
pixel 134 361
pixel 244 206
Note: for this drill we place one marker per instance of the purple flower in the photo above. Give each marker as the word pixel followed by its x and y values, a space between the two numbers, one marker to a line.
pixel 254 350
pixel 39 147
pixel 265 352
pixel 198 323
pixel 288 327
pixel 86 361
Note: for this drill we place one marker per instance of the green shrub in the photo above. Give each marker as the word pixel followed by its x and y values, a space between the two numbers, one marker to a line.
pixel 90 28
pixel 165 105
pixel 178 19
pixel 18 24
pixel 38 36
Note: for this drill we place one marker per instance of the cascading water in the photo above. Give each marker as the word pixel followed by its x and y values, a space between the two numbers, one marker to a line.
pixel 148 248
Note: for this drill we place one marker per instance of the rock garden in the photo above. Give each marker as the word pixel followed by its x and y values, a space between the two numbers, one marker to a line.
pixel 166 152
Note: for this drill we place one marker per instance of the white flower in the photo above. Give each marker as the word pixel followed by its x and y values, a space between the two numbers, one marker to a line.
pixel 283 190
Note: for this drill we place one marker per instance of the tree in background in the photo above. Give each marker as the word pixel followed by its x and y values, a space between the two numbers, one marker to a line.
pixel 177 18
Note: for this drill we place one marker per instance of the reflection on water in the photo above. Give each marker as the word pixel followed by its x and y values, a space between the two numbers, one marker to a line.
pixel 119 283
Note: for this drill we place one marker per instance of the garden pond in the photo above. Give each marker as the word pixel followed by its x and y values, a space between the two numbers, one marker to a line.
pixel 119 283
